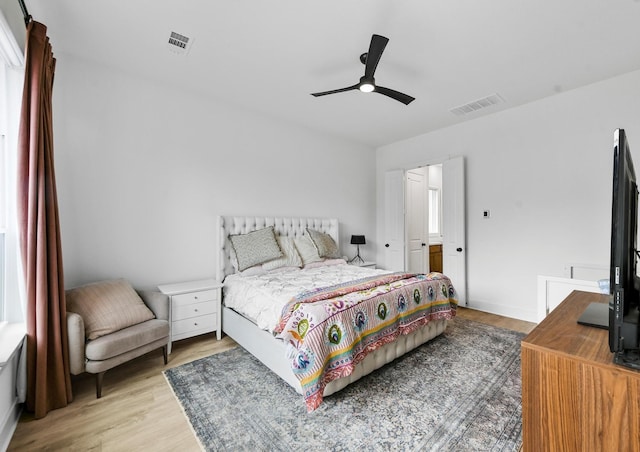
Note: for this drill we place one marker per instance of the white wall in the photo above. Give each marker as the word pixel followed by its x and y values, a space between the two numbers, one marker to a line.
pixel 544 170
pixel 143 169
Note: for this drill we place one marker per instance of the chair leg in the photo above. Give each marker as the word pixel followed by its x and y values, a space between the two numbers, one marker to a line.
pixel 99 378
pixel 165 355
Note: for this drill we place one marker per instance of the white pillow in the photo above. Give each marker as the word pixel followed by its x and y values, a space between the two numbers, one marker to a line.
pixel 255 248
pixel 291 256
pixel 307 250
pixel 253 271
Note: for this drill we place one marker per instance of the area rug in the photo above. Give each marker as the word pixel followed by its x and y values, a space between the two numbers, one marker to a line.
pixel 459 392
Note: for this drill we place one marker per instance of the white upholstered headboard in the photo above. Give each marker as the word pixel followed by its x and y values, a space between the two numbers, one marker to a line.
pixel 290 227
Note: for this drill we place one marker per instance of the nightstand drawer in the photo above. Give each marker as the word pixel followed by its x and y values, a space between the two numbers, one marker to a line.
pixel 194 325
pixel 180 312
pixel 195 297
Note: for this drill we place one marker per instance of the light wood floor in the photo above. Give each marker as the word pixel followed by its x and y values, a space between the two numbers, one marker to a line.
pixel 137 411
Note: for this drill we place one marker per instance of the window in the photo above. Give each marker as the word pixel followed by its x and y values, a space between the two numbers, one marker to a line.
pixel 435 214
pixel 11 80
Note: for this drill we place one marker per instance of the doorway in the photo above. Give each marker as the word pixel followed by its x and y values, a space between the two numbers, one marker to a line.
pixel 432 222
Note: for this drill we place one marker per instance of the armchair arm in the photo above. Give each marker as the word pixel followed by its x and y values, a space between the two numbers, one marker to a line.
pixel 157 302
pixel 75 332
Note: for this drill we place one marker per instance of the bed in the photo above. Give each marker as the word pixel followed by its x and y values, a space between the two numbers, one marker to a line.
pixel 265 329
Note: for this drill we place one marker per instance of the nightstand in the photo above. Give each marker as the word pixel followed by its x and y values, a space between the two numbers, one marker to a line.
pixel 194 308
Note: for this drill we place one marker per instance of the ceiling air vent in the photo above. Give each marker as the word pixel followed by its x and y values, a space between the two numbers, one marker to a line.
pixel 476 105
pixel 179 44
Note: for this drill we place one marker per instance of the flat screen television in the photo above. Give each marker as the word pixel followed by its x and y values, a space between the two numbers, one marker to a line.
pixel 624 284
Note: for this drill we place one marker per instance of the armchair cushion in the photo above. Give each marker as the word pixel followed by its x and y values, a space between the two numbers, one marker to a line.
pixel 107 306
pixel 127 339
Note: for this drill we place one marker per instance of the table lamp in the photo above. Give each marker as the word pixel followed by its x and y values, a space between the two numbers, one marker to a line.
pixel 357 240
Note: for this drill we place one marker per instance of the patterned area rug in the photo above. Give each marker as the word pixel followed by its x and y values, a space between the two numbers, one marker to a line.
pixel 459 392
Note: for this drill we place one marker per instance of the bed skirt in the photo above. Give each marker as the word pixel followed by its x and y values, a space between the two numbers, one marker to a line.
pixel 271 351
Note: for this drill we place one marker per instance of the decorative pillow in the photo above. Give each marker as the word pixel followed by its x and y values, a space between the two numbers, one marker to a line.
pixel 307 250
pixel 251 271
pixel 256 247
pixel 291 257
pixel 324 243
pixel 107 306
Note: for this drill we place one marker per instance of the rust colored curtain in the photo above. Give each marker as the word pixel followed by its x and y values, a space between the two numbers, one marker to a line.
pixel 48 377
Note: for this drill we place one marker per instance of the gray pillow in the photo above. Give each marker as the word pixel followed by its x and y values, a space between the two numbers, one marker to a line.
pixel 324 243
pixel 255 247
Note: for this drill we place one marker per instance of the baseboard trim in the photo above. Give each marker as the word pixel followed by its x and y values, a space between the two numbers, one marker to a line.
pixel 505 311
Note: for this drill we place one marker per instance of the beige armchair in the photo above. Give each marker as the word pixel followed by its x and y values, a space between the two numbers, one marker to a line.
pixel 110 323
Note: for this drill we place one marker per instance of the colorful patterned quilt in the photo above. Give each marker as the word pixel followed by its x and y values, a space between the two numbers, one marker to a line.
pixel 330 330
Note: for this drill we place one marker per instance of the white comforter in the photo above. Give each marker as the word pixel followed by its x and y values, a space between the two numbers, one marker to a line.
pixel 262 297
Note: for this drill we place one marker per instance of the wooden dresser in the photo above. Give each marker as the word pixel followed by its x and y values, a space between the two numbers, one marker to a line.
pixel 573 397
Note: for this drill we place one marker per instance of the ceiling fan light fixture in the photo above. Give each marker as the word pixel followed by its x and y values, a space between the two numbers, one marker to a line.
pixel 367 85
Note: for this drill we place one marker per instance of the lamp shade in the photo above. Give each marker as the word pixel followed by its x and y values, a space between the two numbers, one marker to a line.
pixel 358 240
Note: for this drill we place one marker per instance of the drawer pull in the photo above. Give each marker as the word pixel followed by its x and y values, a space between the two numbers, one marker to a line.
pixel 195 323
pixel 195 310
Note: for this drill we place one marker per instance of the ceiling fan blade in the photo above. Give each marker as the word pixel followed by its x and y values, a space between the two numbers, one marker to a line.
pixel 341 90
pixel 378 43
pixel 400 97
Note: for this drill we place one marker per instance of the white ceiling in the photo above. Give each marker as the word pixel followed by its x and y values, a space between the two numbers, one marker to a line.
pixel 268 56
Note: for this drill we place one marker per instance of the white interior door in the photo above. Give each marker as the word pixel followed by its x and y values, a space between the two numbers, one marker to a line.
pixel 454 252
pixel 394 220
pixel 417 183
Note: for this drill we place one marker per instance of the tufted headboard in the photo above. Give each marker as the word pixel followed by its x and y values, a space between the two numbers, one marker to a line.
pixel 289 227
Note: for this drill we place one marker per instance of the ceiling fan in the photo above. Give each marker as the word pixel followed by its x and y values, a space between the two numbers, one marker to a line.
pixel 367 83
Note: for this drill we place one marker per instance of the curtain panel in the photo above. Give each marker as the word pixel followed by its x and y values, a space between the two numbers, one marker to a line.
pixel 48 376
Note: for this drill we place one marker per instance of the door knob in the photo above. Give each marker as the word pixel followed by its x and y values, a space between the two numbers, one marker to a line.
pixel 386 245
pixel 459 250
pixel 424 244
